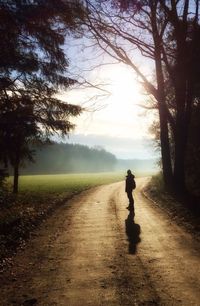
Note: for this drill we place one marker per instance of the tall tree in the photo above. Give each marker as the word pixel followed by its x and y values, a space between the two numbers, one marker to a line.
pixel 33 67
pixel 29 115
pixel 166 34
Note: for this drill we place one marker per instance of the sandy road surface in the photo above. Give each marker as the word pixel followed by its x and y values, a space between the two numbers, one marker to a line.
pixel 90 252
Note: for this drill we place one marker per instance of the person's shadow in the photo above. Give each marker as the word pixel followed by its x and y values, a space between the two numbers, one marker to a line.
pixel 132 232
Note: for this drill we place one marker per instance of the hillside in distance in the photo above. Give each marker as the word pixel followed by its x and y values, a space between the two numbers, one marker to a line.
pixel 75 158
pixel 63 158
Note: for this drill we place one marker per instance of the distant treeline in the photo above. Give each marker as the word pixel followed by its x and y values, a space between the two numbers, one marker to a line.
pixel 57 158
pixel 69 158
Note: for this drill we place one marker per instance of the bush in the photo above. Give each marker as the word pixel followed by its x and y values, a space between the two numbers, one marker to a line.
pixel 157 182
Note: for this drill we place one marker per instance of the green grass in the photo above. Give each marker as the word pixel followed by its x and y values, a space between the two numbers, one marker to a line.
pixel 53 184
pixel 34 187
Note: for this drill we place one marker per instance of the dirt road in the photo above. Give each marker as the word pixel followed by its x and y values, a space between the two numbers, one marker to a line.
pixel 90 252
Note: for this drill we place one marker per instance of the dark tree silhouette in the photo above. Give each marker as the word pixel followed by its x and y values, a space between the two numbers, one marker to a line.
pixel 167 34
pixel 28 116
pixel 33 66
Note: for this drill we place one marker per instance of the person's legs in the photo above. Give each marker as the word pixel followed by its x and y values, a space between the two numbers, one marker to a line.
pixel 131 200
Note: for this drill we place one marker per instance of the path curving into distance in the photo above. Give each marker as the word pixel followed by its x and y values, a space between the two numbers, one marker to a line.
pixel 91 252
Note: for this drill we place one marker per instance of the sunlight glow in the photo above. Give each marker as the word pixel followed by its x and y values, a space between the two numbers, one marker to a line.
pixel 120 114
pixel 125 95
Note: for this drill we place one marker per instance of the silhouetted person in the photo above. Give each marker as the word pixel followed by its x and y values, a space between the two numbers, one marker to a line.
pixel 130 185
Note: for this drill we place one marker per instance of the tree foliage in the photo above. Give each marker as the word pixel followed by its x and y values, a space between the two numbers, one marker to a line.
pixel 33 67
pixel 33 34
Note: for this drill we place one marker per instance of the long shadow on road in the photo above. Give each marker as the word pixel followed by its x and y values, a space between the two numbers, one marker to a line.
pixel 132 232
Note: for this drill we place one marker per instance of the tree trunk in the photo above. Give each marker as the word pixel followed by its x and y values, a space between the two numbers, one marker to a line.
pixel 179 161
pixel 164 132
pixel 181 136
pixel 165 149
pixel 16 175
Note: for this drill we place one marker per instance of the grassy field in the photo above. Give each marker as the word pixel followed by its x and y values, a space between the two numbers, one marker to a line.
pixel 58 183
pixel 61 183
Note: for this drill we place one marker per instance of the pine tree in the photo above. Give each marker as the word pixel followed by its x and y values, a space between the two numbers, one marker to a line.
pixel 33 67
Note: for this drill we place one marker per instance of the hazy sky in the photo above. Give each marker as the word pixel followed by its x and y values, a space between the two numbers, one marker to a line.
pixel 113 119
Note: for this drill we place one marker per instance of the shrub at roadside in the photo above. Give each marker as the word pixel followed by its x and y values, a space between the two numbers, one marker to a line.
pixel 178 209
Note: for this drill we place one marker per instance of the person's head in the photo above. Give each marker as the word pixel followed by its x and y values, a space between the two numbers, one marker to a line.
pixel 128 171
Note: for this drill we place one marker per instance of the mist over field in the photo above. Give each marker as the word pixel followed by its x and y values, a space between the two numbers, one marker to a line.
pixel 138 166
pixel 74 158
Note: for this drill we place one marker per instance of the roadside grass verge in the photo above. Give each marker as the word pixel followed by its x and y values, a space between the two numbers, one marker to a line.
pixel 38 197
pixel 177 209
